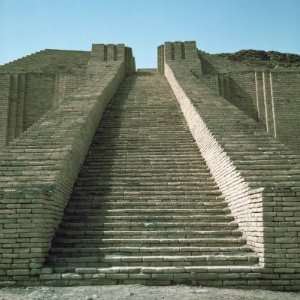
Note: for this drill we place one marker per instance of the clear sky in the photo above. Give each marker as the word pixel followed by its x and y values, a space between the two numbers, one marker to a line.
pixel 27 26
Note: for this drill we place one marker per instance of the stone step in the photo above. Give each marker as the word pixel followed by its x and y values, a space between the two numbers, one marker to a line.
pixel 157 260
pixel 93 179
pixel 134 159
pixel 148 186
pixel 146 218
pixel 145 199
pixel 97 173
pixel 103 171
pixel 145 211
pixel 164 275
pixel 106 197
pixel 144 184
pixel 96 204
pixel 148 193
pixel 202 242
pixel 149 250
pixel 150 225
pixel 104 149
pixel 82 233
pixel 144 168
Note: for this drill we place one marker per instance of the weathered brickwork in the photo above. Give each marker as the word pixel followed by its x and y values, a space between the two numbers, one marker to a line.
pixel 49 61
pixel 264 95
pixel 286 107
pixel 258 176
pixel 38 171
pixel 39 82
pixel 177 182
pixel 29 96
pixel 39 96
pixel 4 107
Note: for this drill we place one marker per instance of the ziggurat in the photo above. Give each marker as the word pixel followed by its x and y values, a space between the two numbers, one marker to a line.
pixel 188 173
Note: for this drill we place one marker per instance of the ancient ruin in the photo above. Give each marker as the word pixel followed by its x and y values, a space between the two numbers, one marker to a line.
pixel 185 174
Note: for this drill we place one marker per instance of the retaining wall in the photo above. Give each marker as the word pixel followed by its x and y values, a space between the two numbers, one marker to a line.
pixel 38 170
pixel 259 176
pixel 272 98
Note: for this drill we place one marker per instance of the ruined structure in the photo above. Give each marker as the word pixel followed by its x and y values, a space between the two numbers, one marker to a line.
pixel 185 174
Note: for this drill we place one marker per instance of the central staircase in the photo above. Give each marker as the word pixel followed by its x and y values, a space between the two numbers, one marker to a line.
pixel 145 207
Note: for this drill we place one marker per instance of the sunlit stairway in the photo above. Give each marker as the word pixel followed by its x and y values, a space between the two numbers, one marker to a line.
pixel 145 206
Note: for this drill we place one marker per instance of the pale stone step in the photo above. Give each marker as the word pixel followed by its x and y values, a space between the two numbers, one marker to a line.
pixel 105 197
pixel 146 218
pixel 157 261
pixel 145 197
pixel 146 211
pixel 94 204
pixel 150 250
pixel 202 242
pixel 150 225
pixel 84 233
pixel 154 193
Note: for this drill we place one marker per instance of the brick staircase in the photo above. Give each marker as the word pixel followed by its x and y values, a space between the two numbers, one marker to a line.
pixel 145 207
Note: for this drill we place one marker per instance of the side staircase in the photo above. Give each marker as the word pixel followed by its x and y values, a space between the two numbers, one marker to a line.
pixel 145 208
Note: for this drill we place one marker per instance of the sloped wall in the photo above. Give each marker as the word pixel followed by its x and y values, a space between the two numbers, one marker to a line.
pixel 286 99
pixel 259 176
pixel 4 107
pixel 272 98
pixel 37 171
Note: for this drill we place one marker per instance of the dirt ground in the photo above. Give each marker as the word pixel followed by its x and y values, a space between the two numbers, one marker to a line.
pixel 136 292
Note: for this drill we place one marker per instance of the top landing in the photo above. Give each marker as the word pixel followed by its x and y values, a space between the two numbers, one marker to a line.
pixel 183 52
pixel 146 72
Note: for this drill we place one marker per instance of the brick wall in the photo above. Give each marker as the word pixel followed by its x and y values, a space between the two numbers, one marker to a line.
pixel 40 89
pixel 259 176
pixel 49 61
pixel 286 111
pixel 26 97
pixel 66 84
pixel 239 89
pixel 4 107
pixel 275 98
pixel 38 171
pixel 12 107
pixel 37 83
pixel 272 98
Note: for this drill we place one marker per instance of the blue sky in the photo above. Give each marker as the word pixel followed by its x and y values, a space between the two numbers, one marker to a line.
pixel 27 26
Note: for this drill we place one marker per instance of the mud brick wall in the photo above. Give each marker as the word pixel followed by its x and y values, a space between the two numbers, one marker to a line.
pixel 38 171
pixel 212 81
pixel 160 59
pixel 37 83
pixel 12 103
pixel 278 105
pixel 40 89
pixel 217 64
pixel 49 61
pixel 4 107
pixel 239 89
pixel 66 84
pixel 272 98
pixel 286 93
pixel 26 97
pixel 265 101
pixel 259 176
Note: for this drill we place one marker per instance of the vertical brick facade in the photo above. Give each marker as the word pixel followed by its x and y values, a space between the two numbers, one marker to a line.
pixel 55 111
pixel 4 107
pixel 258 176
pixel 272 98
pixel 39 170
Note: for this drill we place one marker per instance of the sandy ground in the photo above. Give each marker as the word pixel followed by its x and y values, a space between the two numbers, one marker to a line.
pixel 136 292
